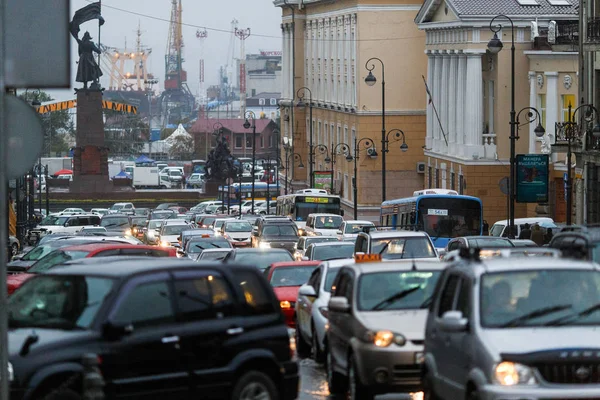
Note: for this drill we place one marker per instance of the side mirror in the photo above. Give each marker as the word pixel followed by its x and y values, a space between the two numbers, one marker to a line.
pixel 339 304
pixel 115 331
pixel 339 232
pixel 307 290
pixel 453 321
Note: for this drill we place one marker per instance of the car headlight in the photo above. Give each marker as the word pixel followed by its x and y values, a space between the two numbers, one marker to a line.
pixel 128 232
pixel 264 245
pixel 300 232
pixel 286 305
pixel 384 338
pixel 164 243
pixel 135 231
pixel 508 373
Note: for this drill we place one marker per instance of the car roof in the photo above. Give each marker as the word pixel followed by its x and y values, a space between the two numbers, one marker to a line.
pixel 502 264
pixel 481 237
pixel 284 264
pixel 219 250
pixel 324 215
pixel 256 250
pixel 333 243
pixel 342 262
pixel 121 267
pixel 359 221
pixel 115 215
pixel 108 246
pixel 403 265
pixel 175 221
pixel 396 233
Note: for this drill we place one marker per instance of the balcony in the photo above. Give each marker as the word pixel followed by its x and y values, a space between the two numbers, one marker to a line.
pixel 592 40
pixel 561 36
pixel 565 131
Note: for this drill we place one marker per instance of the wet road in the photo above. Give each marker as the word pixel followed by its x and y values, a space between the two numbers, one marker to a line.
pixel 313 383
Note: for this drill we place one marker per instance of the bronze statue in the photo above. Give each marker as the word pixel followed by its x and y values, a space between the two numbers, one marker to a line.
pixel 87 70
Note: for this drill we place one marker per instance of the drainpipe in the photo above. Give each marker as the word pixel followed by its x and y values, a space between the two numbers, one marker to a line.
pixel 291 7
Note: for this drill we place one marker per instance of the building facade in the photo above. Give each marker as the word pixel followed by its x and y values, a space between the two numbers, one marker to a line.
pixel 326 46
pixel 467 145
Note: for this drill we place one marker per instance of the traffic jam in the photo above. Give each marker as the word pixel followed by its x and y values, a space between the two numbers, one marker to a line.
pixel 209 302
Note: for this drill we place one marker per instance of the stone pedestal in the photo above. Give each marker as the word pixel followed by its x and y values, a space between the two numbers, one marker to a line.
pixel 90 156
pixel 211 188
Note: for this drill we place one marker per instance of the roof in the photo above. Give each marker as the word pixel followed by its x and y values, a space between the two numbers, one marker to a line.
pixel 359 221
pixel 396 233
pixel 109 246
pixel 120 267
pixel 285 264
pixel 329 244
pixel 257 250
pixel 266 95
pixel 508 264
pixel 403 265
pixel 233 125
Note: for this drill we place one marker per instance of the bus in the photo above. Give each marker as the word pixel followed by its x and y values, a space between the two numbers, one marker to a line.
pixel 443 214
pixel 299 205
pixel 260 192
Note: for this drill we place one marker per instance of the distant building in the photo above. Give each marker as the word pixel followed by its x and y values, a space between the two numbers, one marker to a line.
pixel 264 105
pixel 263 73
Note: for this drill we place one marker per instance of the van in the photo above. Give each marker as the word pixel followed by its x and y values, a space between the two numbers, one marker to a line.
pixel 499 227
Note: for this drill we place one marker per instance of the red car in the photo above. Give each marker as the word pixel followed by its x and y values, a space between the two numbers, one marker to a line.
pixel 61 255
pixel 286 278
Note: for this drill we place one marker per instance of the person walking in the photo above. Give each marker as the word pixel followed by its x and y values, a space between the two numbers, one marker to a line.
pixel 525 232
pixel 537 235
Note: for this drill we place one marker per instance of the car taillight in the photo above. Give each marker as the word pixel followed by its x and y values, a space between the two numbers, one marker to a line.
pixel 292 343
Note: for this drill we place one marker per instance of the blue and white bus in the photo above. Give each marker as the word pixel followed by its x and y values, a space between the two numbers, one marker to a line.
pixel 443 214
pixel 260 192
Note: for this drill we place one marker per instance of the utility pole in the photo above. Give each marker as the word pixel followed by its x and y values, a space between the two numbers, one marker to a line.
pixel 242 34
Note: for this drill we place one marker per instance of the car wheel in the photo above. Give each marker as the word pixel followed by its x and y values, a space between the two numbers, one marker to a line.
pixel 14 248
pixel 317 353
pixel 255 385
pixel 335 381
pixel 428 392
pixel 356 390
pixel 302 346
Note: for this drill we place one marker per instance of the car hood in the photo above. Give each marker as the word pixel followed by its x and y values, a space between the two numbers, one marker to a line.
pixel 327 232
pixel 533 339
pixel 18 265
pixel 169 238
pixel 289 293
pixel 278 238
pixel 47 338
pixel 409 323
pixel 239 235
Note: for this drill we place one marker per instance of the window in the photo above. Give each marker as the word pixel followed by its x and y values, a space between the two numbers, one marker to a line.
pixel 541 106
pixel 319 133
pixel 134 309
pixel 437 178
pixel 343 285
pixel 346 135
pixel 273 102
pixel 448 294
pixel 206 297
pixel 315 280
pixel 261 102
pixel 256 296
pixel 270 141
pixel 490 104
pixel 461 184
pixel 249 142
pixel 463 303
pixel 262 142
pixel 339 134
pixel 346 188
pixel 238 141
pixel 452 181
pixel 568 100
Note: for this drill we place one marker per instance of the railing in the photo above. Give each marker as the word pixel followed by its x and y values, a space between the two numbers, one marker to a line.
pixel 567 33
pixel 593 30
pixel 489 145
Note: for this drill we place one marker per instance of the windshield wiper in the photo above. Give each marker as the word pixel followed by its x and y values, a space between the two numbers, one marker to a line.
pixel 384 248
pixel 394 298
pixel 574 317
pixel 540 312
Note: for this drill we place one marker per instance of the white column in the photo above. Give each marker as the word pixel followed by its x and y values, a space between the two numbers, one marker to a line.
pixel 437 98
pixel 335 44
pixel 321 34
pixel 284 61
pixel 348 58
pixel 430 113
pixel 443 106
pixel 326 58
pixel 452 103
pixel 461 88
pixel 354 61
pixel 340 71
pixel 474 114
pixel 290 69
pixel 532 103
pixel 552 109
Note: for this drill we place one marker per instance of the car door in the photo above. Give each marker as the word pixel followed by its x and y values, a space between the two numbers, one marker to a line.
pixel 305 304
pixel 148 360
pixel 335 336
pixel 208 310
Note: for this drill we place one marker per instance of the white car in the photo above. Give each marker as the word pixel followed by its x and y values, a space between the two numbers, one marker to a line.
pixel 72 211
pixel 170 231
pixel 218 224
pixel 262 209
pixel 323 224
pixel 349 230
pixel 122 208
pixel 247 209
pixel 100 211
pixel 238 232
pixel 311 308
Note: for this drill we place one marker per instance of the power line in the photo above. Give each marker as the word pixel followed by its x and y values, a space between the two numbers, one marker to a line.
pixel 258 35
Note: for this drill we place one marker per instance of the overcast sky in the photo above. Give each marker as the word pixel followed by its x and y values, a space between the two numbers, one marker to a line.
pixel 122 18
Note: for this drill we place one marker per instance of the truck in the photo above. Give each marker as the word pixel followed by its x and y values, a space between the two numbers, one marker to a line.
pixel 149 177
pixel 56 164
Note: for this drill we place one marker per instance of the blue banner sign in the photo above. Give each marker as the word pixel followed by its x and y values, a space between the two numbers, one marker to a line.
pixel 532 178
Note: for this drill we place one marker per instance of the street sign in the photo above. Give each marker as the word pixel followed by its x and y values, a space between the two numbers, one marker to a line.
pixel 37 52
pixel 504 182
pixel 23 135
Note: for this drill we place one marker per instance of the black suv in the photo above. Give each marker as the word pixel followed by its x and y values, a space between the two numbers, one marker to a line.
pixel 275 232
pixel 161 329
pixel 578 242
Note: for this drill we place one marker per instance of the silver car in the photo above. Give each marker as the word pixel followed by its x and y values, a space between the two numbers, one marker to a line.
pixel 377 315
pixel 514 328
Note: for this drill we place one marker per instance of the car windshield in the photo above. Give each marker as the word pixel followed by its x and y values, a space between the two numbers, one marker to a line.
pixel 291 276
pixel 162 215
pixel 62 302
pixel 117 207
pixel 497 230
pixel 175 173
pixel 138 221
pixel 37 253
pixel 114 222
pixel 219 223
pixel 212 255
pixel 174 229
pixel 328 222
pixel 49 220
pixel 490 242
pixel 197 246
pixel 60 221
pixel 396 290
pixel 208 221
pixel 155 224
pixel 398 248
pixel 279 230
pixel 238 227
pixel 324 253
pixel 540 298
pixel 54 258
pixel 331 274
pixel 319 239
pixel 262 259
pixel 355 228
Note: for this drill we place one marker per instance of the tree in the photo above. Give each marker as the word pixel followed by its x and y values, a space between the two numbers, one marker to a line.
pixel 182 147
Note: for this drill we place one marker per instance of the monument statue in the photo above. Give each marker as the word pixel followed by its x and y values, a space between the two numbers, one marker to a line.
pixel 220 165
pixel 88 69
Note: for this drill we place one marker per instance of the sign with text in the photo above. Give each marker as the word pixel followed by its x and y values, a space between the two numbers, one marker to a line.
pixel 532 178
pixel 323 180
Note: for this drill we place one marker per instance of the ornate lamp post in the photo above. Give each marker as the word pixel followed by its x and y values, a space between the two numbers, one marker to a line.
pixel 371 80
pixel 368 143
pixel 300 94
pixel 247 125
pixel 398 133
pixel 339 149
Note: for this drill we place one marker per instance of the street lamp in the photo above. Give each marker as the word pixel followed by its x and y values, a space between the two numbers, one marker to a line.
pixel 370 80
pixel 247 125
pixel 270 160
pixel 589 115
pixel 398 133
pixel 335 151
pixel 300 94
pixel 368 145
pixel 494 46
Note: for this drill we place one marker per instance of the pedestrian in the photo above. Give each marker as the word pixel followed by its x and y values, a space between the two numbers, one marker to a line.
pixel 486 228
pixel 537 235
pixel 525 232
pixel 548 236
pixel 183 181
